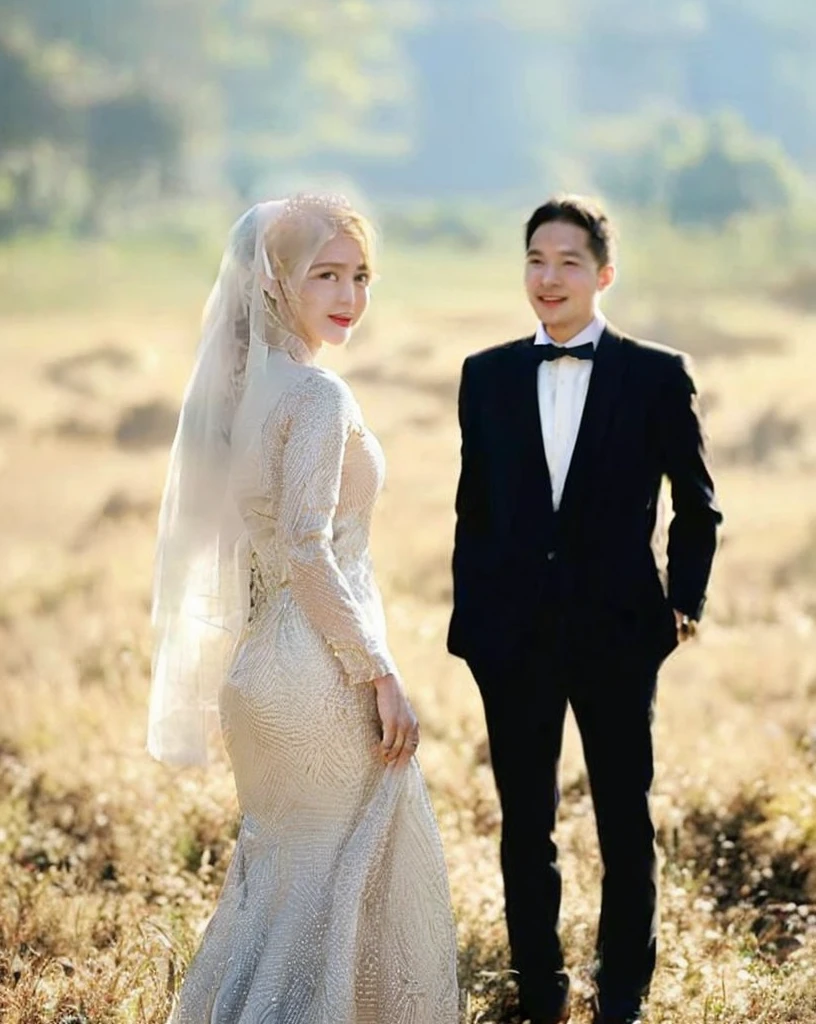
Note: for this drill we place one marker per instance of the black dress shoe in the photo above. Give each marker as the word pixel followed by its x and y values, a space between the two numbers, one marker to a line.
pixel 561 1016
pixel 552 1002
pixel 618 1018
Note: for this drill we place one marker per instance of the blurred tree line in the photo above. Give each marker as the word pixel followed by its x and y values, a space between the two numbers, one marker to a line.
pixel 698 110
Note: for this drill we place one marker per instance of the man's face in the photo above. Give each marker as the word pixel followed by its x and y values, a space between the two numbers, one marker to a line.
pixel 563 279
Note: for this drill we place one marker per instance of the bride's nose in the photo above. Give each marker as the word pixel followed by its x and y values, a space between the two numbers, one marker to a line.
pixel 345 292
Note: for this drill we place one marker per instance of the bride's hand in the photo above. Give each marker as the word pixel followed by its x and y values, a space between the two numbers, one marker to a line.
pixel 400 729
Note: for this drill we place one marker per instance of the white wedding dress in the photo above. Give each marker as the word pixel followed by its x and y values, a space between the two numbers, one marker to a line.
pixel 336 907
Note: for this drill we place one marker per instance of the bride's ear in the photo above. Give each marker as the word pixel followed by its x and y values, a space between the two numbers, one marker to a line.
pixel 269 281
pixel 278 300
pixel 271 288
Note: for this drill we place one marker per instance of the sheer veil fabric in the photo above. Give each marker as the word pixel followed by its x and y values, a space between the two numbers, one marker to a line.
pixel 201 581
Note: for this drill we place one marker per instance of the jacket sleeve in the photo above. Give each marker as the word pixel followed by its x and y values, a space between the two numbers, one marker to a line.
pixel 693 530
pixel 471 538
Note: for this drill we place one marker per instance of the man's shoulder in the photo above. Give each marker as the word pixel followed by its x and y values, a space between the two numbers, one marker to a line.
pixel 496 354
pixel 650 353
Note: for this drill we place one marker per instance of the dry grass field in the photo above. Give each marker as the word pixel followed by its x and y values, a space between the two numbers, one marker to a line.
pixel 110 864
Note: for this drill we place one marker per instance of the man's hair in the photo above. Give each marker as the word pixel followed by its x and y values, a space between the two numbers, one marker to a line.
pixel 583 213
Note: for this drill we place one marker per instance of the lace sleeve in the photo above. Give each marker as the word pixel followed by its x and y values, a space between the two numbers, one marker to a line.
pixel 320 416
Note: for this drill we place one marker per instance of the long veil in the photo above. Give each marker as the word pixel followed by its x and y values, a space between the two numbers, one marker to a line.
pixel 200 590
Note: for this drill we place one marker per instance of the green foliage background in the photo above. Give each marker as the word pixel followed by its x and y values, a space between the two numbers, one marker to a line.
pixel 113 111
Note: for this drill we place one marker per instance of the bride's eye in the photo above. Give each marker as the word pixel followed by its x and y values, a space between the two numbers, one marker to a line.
pixel 328 275
pixel 363 277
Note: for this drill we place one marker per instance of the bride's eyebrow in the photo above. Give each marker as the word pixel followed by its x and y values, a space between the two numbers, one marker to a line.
pixel 337 266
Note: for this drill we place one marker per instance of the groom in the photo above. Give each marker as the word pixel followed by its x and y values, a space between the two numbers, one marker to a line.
pixel 566 437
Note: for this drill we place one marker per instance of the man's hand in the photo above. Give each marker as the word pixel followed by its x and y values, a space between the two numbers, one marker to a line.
pixel 686 626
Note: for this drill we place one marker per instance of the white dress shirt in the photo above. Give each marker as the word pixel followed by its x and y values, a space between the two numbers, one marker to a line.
pixel 562 391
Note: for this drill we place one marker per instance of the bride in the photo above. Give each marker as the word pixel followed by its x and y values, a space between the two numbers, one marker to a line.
pixel 268 624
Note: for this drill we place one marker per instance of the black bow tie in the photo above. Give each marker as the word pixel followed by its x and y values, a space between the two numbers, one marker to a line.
pixel 549 351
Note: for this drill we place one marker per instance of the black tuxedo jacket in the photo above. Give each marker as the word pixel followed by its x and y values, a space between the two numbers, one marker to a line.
pixel 583 579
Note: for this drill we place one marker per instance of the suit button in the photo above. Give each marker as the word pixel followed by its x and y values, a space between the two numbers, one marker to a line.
pixel 550 556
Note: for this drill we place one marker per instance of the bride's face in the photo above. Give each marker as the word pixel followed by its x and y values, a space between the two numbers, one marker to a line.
pixel 335 293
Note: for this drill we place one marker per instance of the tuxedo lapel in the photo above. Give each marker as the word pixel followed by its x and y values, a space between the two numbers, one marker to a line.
pixel 604 388
pixel 522 393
